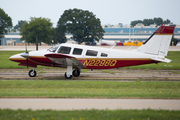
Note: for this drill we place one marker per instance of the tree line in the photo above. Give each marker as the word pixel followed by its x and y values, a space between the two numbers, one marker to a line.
pixel 148 22
pixel 81 24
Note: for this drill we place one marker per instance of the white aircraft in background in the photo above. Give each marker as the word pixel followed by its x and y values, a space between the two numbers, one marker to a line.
pixel 77 57
pixel 107 42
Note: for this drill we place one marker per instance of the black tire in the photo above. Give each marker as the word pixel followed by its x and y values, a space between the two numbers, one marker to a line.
pixel 65 75
pixel 32 74
pixel 76 73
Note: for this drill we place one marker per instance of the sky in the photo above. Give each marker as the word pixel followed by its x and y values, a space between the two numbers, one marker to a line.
pixel 108 11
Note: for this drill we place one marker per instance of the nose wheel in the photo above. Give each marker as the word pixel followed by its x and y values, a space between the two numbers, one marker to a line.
pixel 32 73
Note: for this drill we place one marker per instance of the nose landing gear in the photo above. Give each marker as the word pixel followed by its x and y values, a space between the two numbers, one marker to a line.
pixel 32 73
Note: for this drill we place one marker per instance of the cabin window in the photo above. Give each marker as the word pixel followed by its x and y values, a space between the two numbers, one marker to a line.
pixel 104 55
pixel 77 51
pixel 64 50
pixel 91 53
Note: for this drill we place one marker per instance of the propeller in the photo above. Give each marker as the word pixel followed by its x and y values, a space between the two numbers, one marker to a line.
pixel 26 55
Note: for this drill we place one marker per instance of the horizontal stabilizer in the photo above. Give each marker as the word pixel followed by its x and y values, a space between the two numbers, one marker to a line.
pixel 162 60
pixel 57 55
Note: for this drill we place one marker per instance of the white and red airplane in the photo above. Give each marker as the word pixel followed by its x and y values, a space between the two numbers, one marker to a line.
pixel 77 57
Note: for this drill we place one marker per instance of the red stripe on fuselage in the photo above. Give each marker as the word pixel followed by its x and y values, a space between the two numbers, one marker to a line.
pixel 33 60
pixel 22 60
pixel 90 63
pixel 97 63
pixel 40 59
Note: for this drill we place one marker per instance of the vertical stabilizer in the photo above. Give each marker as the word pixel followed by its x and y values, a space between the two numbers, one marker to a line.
pixel 158 43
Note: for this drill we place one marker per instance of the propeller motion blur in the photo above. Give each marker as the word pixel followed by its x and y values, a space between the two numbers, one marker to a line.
pixel 77 57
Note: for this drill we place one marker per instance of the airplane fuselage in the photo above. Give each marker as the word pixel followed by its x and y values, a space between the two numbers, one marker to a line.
pixel 98 58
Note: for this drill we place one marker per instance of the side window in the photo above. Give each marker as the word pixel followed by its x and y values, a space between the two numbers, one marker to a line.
pixel 64 50
pixel 104 55
pixel 91 53
pixel 77 51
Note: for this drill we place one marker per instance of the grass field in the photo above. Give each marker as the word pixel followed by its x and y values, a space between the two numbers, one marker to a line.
pixel 173 55
pixel 7 114
pixel 89 89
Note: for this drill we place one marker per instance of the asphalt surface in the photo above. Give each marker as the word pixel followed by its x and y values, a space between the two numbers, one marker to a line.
pixel 79 104
pixel 112 74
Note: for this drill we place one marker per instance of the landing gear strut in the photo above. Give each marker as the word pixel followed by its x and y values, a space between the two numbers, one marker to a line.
pixel 32 73
pixel 68 73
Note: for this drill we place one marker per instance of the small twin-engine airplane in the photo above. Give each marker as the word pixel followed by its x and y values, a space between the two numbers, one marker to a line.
pixel 77 57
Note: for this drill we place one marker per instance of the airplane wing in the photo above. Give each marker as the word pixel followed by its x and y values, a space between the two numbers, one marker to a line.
pixel 63 60
pixel 57 55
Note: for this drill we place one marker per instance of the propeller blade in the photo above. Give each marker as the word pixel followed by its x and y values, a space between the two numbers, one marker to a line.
pixel 26 50
pixel 27 62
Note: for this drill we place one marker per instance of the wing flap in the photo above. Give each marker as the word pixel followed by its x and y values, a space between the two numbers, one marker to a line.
pixel 61 59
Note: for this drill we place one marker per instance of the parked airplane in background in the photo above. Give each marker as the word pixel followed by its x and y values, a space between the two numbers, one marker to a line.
pixel 77 57
pixel 107 42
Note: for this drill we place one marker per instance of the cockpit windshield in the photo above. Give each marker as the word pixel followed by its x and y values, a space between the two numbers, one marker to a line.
pixel 53 49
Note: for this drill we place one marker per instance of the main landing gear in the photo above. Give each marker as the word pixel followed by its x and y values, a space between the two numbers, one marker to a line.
pixel 32 73
pixel 75 73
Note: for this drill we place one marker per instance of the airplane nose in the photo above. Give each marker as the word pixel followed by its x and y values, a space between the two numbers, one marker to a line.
pixel 15 57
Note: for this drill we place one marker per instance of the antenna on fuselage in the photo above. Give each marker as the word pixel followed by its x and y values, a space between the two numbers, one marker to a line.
pixel 129 48
pixel 113 45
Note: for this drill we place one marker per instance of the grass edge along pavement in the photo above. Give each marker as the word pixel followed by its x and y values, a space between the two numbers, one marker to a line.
pixel 145 114
pixel 89 89
pixel 173 65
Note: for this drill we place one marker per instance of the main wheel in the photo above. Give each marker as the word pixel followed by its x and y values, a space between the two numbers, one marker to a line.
pixel 76 73
pixel 65 75
pixel 32 73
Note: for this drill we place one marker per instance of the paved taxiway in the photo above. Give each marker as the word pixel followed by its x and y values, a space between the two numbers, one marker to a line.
pixel 78 104
pixel 113 74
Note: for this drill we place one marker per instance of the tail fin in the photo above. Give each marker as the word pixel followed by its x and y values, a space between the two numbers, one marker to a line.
pixel 158 43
